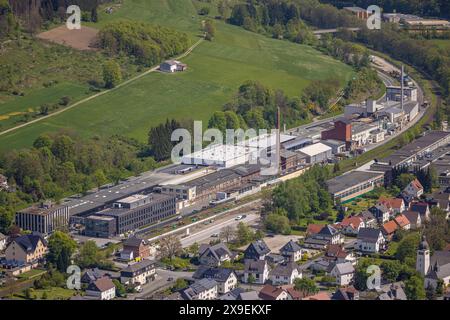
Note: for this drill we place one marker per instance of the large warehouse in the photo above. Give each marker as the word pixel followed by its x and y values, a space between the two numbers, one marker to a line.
pixel 354 184
pixel 317 153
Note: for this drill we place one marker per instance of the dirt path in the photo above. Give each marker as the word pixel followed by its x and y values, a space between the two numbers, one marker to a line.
pixel 76 104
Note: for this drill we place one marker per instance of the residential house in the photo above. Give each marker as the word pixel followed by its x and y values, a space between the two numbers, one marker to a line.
pixel 225 278
pixel 337 253
pixel 92 275
pixel 397 205
pixel 402 222
pixel 215 255
pixel 2 242
pixel 172 66
pixel 292 251
pixel 329 234
pixel 414 219
pixel 26 249
pixel 294 294
pixel 351 225
pixel 323 295
pixel 269 292
pixel 381 212
pixel 285 274
pixel 347 293
pixel 392 291
pixel 103 289
pixel 257 269
pixel 313 228
pixel 203 289
pixel 343 273
pixel 257 250
pixel 370 240
pixel 232 295
pixel 389 229
pixel 422 208
pixel 135 248
pixel 414 189
pixel 369 219
pixel 138 273
pixel 249 296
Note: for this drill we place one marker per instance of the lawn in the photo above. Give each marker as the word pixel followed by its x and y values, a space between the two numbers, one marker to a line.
pixel 442 43
pixel 54 293
pixel 216 70
pixel 31 274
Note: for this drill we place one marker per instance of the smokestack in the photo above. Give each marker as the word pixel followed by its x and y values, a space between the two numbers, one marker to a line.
pixel 403 86
pixel 279 139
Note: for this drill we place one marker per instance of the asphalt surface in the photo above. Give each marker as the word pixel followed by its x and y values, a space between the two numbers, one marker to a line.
pixel 205 234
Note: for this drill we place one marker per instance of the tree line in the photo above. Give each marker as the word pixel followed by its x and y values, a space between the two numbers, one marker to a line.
pixel 62 164
pixel 302 198
pixel 147 43
pixel 430 8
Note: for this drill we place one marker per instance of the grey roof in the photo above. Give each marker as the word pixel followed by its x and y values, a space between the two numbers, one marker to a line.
pixel 260 247
pixel 412 216
pixel 218 251
pixel 133 242
pixel 439 265
pixel 2 236
pixel 392 291
pixel 316 241
pixel 255 266
pixel 367 215
pixel 328 231
pixel 251 295
pixel 284 270
pixel 29 242
pixel 369 234
pixel 198 287
pixel 350 179
pixel 291 246
pixel 139 266
pixel 420 207
pixel 232 295
pixel 345 268
pixel 218 274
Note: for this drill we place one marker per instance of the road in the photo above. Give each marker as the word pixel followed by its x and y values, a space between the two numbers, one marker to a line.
pixel 76 104
pixel 204 235
pixel 249 204
pixel 161 282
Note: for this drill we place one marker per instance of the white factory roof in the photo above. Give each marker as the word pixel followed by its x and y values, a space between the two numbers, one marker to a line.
pixel 315 149
pixel 134 198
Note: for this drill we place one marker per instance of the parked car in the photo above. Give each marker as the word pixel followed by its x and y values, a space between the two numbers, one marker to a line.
pixel 238 218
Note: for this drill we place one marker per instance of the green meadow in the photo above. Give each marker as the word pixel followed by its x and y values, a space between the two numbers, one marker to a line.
pixel 216 70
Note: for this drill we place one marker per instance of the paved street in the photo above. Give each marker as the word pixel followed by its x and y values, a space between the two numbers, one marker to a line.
pixel 205 235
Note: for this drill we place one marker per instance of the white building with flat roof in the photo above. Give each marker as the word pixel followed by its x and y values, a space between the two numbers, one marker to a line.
pixel 317 152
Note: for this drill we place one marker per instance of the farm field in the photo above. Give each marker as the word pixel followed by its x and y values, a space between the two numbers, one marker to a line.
pixel 216 70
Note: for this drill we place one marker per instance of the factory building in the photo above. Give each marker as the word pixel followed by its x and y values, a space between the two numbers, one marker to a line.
pixel 43 218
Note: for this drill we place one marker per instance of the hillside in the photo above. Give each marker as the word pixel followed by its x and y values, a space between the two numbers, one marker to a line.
pixel 216 70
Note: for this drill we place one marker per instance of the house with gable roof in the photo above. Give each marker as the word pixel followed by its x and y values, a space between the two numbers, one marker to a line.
pixel 102 289
pixel 292 251
pixel 370 240
pixel 257 250
pixel 215 255
pixel 226 278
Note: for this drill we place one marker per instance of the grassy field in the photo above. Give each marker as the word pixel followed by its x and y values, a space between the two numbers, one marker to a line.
pixel 442 43
pixel 216 69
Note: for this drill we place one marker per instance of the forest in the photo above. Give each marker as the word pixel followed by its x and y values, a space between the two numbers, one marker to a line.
pixel 147 43
pixel 64 164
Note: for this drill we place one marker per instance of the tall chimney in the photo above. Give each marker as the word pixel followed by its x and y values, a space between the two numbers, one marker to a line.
pixel 279 139
pixel 403 87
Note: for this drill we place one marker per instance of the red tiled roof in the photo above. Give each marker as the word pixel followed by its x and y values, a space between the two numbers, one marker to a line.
pixel 416 184
pixel 319 296
pixel 354 221
pixel 390 227
pixel 314 228
pixel 402 221
pixel 269 292
pixel 336 250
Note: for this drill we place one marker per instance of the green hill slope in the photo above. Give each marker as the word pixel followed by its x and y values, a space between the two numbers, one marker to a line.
pixel 216 69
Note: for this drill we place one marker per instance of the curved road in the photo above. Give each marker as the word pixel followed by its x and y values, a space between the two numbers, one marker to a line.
pixel 154 69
